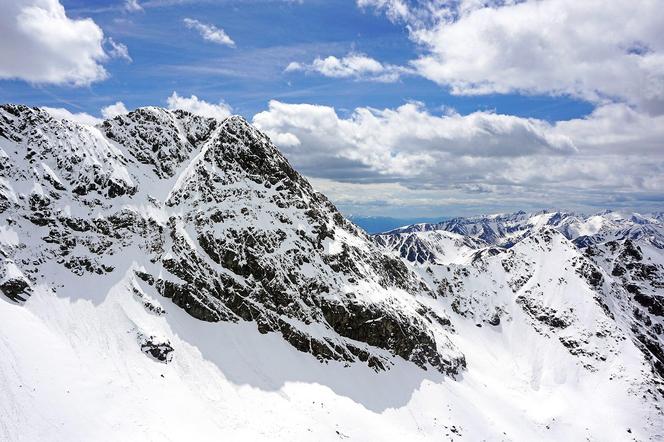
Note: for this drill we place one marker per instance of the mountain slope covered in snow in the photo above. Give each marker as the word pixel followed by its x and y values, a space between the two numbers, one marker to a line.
pixel 170 277
pixel 620 256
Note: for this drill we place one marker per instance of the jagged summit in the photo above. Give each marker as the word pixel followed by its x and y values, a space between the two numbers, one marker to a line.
pixel 222 225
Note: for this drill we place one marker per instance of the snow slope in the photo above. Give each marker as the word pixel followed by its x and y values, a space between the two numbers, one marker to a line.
pixel 170 277
pixel 593 286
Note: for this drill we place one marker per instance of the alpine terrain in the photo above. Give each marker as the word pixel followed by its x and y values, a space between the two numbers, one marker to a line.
pixel 166 276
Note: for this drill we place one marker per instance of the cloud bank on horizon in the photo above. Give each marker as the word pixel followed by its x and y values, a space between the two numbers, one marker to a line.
pixel 430 106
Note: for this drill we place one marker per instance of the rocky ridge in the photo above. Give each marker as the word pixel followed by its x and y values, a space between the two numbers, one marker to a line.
pixel 589 281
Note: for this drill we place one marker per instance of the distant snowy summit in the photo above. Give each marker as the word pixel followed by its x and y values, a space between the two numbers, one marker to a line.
pixel 162 258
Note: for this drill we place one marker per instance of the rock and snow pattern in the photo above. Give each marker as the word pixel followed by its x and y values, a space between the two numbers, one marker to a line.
pixel 165 276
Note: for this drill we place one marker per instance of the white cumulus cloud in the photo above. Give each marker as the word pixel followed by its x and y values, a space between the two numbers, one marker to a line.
pixel 407 140
pixel 113 110
pixel 614 154
pixel 199 107
pixel 595 50
pixel 354 65
pixel 40 44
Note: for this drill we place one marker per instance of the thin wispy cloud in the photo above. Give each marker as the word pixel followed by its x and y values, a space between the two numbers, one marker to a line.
pixel 118 50
pixel 133 6
pixel 209 32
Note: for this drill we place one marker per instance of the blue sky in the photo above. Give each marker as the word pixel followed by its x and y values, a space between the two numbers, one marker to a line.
pixel 269 35
pixel 492 105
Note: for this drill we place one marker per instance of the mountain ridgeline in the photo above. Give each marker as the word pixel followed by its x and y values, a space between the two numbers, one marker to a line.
pixel 164 248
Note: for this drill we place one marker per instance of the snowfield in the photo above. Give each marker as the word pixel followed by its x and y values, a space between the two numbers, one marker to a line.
pixel 169 277
pixel 73 371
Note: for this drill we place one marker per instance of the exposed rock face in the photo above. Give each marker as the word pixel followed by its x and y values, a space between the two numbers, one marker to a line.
pixel 15 289
pixel 428 246
pixel 155 348
pixel 210 215
pixel 637 270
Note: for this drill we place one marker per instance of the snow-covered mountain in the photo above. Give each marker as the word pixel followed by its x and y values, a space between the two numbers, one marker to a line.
pixel 507 229
pixel 170 277
pixel 590 281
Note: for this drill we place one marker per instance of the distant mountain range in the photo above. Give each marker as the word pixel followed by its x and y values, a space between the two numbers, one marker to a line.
pixel 507 229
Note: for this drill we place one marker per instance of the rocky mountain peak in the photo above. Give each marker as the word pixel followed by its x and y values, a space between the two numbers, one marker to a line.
pixel 159 138
pixel 214 219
